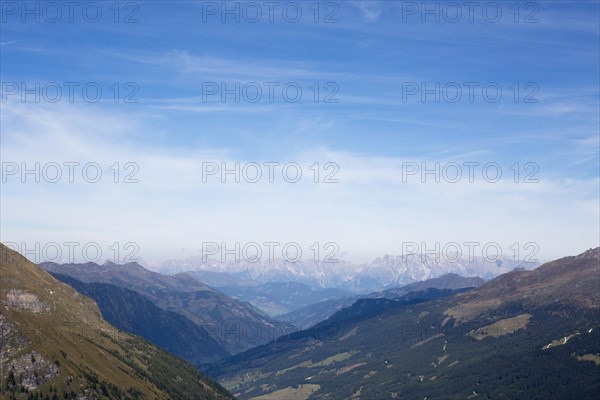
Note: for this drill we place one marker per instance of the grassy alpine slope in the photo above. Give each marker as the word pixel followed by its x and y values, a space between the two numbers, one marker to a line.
pixel 55 345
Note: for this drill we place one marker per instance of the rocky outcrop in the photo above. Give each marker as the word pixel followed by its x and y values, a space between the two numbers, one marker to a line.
pixel 22 300
pixel 22 368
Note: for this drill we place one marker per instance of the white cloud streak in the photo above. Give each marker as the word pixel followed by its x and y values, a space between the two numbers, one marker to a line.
pixel 370 212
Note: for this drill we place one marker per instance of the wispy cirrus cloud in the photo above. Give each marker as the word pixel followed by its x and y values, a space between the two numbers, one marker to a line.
pixel 369 212
pixel 369 52
pixel 369 10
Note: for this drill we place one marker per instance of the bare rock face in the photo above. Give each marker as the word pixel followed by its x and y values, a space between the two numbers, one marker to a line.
pixel 13 342
pixel 33 369
pixel 30 369
pixel 22 300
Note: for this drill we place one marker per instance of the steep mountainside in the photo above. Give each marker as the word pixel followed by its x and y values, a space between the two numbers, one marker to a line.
pixel 281 297
pixel 55 344
pixel 130 311
pixel 448 281
pixel 312 314
pixel 215 279
pixel 234 325
pixel 526 335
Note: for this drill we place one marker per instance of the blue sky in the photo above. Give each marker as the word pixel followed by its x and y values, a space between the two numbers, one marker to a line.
pixel 369 53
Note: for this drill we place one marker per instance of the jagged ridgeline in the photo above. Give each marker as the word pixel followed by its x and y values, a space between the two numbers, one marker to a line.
pixel 524 335
pixel 56 345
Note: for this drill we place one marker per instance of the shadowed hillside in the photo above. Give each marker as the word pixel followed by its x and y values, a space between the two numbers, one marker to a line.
pixel 524 335
pixel 56 344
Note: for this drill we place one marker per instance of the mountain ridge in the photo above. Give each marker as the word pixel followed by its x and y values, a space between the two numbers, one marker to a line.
pixel 382 273
pixel 131 312
pixel 307 316
pixel 233 324
pixel 55 342
pixel 525 334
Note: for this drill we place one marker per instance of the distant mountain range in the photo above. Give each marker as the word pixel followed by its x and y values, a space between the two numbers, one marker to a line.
pixel 55 344
pixel 309 315
pixel 525 334
pixel 137 311
pixel 276 298
pixel 234 325
pixel 384 272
